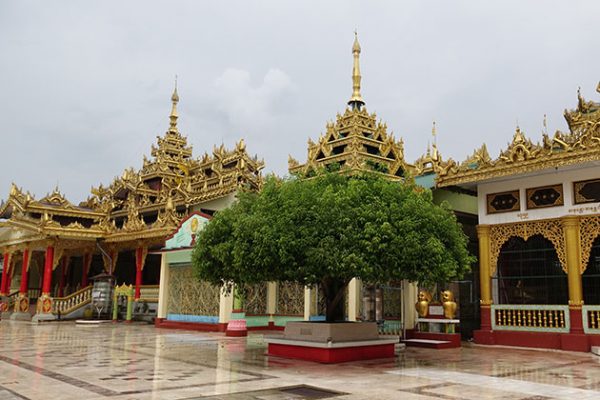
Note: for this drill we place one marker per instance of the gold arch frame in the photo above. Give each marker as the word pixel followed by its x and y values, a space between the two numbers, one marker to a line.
pixel 589 228
pixel 550 229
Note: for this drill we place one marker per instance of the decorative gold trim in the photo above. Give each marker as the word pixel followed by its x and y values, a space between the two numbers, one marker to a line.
pixel 492 196
pixel 589 228
pixel 357 142
pixel 560 200
pixel 551 229
pixel 577 197
pixel 580 145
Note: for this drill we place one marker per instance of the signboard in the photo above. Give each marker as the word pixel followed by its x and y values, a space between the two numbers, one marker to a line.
pixel 185 235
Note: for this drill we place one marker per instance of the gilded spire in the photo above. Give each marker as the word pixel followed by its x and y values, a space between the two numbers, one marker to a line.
pixel 173 117
pixel 356 100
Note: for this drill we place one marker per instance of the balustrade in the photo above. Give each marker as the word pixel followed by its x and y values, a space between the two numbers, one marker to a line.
pixel 535 318
pixel 70 303
pixel 591 319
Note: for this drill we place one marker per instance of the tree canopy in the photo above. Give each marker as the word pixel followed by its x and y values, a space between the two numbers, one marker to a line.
pixel 329 229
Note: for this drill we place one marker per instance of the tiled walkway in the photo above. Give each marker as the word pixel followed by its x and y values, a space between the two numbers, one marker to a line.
pixel 62 361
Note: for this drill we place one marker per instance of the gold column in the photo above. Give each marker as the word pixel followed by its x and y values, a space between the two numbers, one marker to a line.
pixel 570 226
pixel 485 281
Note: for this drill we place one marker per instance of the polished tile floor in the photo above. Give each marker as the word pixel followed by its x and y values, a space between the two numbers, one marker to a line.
pixel 62 361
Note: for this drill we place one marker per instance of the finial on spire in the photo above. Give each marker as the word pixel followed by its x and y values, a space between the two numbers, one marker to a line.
pixel 356 100
pixel 173 117
pixel 434 133
pixel 545 125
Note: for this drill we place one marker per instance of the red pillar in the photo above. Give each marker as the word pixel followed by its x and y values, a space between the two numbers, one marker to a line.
pixel 139 254
pixel 87 261
pixel 24 289
pixel 6 264
pixel 48 271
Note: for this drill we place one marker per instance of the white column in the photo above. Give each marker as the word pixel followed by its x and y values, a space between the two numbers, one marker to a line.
pixel 353 299
pixel 225 305
pixel 271 299
pixel 307 302
pixel 163 288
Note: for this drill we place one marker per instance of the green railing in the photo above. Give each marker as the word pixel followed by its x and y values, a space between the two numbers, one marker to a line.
pixel 591 319
pixel 532 318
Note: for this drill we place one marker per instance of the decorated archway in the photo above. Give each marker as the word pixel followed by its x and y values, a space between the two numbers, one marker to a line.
pixel 529 272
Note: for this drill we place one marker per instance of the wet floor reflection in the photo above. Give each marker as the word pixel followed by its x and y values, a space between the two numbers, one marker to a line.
pixel 133 361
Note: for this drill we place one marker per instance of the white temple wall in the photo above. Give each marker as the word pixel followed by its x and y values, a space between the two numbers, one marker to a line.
pixel 549 177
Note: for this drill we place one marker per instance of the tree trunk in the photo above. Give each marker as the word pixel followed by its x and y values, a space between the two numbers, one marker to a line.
pixel 335 293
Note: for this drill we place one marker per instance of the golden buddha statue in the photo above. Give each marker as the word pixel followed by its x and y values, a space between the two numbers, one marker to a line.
pixel 448 304
pixel 422 306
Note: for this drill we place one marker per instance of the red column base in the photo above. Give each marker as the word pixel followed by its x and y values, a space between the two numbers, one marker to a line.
pixel 576 317
pixel 237 328
pixel 575 342
pixel 483 337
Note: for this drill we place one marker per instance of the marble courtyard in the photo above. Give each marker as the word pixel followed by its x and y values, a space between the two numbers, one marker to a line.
pixel 61 360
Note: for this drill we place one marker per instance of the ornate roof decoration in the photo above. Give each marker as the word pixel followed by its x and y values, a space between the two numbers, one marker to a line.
pixel 432 162
pixel 143 204
pixel 356 141
pixel 581 144
pixel 57 199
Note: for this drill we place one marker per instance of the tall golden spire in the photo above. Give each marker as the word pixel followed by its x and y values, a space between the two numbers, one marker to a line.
pixel 356 100
pixel 173 117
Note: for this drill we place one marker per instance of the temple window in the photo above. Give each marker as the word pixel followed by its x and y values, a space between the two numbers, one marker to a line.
pixel 591 277
pixel 372 150
pixel 529 272
pixel 338 149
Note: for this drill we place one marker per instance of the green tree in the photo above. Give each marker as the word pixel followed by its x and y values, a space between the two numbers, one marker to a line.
pixel 329 229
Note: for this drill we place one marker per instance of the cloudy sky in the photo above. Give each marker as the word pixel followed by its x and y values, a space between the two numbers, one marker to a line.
pixel 85 85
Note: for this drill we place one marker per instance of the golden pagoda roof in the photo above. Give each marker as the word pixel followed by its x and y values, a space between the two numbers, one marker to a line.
pixel 356 141
pixel 140 204
pixel 581 144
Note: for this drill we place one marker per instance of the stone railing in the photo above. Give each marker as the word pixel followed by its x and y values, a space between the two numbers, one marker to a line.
pixel 591 319
pixel 530 317
pixel 72 302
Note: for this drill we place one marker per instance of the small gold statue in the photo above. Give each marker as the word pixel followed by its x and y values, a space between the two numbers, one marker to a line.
pixel 422 306
pixel 448 304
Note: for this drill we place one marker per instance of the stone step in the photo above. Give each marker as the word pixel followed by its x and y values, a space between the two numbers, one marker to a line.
pixel 596 350
pixel 429 343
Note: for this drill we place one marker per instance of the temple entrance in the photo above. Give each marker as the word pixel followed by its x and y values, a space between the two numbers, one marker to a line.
pixel 529 272
pixel 591 277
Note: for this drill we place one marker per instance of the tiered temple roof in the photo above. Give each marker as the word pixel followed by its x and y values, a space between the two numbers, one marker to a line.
pixel 356 141
pixel 143 204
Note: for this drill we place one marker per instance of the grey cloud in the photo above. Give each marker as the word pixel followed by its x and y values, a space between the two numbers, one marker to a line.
pixel 85 86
